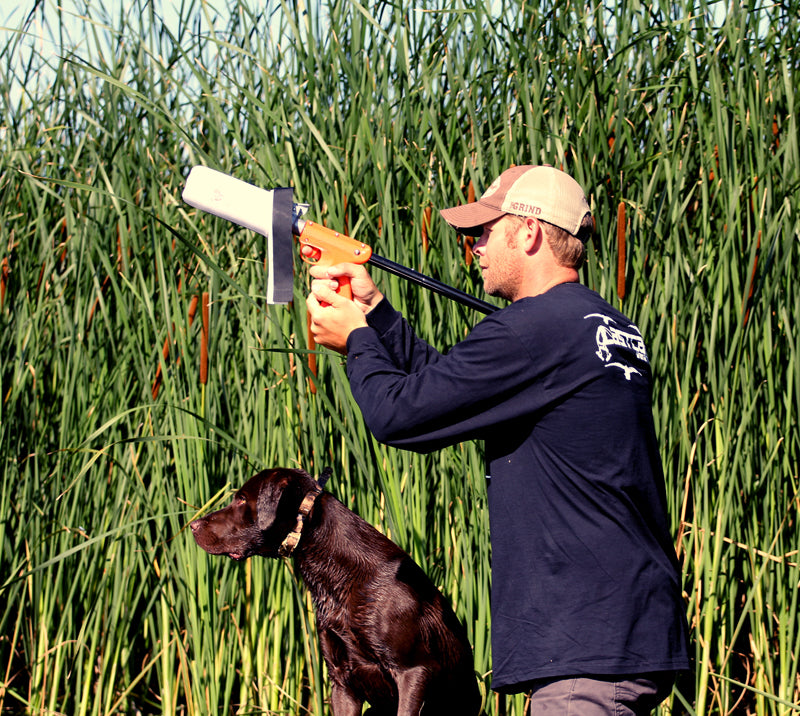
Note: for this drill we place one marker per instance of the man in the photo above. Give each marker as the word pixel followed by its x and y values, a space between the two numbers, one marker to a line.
pixel 587 612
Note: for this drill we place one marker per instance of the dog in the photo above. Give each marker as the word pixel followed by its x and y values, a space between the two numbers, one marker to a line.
pixel 388 636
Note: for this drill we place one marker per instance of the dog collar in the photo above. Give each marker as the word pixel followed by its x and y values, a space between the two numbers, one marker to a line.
pixel 288 544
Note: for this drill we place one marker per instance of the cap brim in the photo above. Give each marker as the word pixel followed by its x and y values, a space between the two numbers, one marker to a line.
pixel 470 218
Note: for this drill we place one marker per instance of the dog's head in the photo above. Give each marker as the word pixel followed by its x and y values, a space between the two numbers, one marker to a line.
pixel 263 511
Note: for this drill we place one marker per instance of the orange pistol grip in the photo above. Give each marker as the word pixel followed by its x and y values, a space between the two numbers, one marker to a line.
pixel 332 247
pixel 344 288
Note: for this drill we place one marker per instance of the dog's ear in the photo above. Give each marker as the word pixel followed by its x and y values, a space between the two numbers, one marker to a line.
pixel 327 472
pixel 267 504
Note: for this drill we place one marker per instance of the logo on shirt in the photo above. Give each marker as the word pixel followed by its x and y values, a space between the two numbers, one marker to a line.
pixel 610 337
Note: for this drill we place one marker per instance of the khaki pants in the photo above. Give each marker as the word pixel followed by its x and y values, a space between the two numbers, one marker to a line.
pixel 634 695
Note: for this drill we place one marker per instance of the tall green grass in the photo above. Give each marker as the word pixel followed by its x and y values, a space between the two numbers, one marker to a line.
pixel 685 114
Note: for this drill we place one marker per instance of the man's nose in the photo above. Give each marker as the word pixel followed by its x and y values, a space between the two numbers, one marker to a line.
pixel 480 242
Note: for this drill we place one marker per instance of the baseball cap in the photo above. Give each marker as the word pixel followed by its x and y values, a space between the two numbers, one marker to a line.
pixel 542 192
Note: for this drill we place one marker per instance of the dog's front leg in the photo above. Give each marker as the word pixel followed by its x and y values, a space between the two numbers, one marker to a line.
pixel 343 702
pixel 411 684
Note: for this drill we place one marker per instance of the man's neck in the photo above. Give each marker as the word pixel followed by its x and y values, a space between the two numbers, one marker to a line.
pixel 542 284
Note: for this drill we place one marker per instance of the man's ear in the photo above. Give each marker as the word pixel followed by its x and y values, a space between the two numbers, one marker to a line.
pixel 267 504
pixel 533 235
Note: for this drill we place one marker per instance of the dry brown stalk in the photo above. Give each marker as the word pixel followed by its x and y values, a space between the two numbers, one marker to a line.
pixel 204 342
pixel 4 271
pixel 426 222
pixel 469 240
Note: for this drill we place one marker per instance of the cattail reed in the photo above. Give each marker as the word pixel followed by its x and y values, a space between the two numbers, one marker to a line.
pixel 469 241
pixel 4 273
pixel 426 222
pixel 204 341
pixel 621 229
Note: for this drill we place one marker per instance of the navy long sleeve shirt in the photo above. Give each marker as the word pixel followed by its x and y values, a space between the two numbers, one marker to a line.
pixel 584 574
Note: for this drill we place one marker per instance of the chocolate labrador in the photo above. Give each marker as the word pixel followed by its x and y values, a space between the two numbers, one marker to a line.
pixel 388 636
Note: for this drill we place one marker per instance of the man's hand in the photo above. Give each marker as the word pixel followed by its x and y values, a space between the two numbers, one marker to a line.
pixel 365 293
pixel 333 317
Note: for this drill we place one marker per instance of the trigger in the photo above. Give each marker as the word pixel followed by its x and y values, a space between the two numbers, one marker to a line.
pixel 310 254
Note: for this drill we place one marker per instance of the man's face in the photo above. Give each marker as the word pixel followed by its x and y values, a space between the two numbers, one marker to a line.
pixel 498 251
